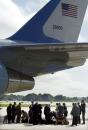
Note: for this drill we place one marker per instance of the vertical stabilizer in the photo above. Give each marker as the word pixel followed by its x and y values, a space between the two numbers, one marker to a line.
pixel 58 21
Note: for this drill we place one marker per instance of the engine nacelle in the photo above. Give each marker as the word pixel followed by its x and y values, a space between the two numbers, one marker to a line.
pixel 3 79
pixel 12 81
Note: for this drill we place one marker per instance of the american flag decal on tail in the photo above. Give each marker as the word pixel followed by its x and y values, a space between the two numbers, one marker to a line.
pixel 69 10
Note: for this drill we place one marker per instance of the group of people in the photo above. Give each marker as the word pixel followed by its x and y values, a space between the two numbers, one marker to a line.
pixel 78 110
pixel 15 114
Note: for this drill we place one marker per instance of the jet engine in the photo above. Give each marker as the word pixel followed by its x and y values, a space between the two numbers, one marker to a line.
pixel 13 81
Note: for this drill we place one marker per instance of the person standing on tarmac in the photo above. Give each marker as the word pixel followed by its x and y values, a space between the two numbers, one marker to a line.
pixel 35 110
pixel 75 113
pixel 79 120
pixel 65 111
pixel 40 113
pixel 47 114
pixel 13 112
pixel 30 114
pixel 83 110
pixel 9 113
pixel 18 113
pixel 60 110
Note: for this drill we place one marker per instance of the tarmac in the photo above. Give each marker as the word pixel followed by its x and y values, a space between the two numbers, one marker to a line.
pixel 42 127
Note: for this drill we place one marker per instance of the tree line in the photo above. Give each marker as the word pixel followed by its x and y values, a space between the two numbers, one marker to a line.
pixel 41 97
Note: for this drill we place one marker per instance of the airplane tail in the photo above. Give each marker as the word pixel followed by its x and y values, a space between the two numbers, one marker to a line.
pixel 58 21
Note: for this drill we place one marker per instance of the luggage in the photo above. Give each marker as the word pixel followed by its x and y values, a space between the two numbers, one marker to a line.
pixel 62 121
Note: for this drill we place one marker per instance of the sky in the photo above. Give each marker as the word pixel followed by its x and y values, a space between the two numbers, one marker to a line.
pixel 72 82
